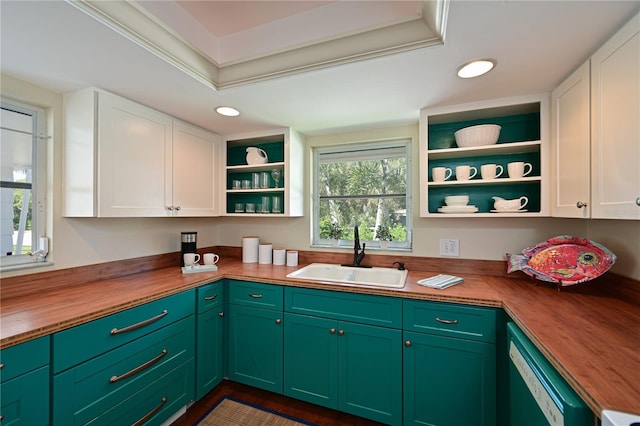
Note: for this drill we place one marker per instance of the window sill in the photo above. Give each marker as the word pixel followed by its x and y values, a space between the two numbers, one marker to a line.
pixel 368 248
pixel 21 266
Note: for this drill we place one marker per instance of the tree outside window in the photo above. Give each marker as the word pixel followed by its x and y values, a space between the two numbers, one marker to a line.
pixel 367 185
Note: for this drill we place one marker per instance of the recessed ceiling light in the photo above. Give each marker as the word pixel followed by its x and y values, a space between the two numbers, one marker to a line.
pixel 228 111
pixel 476 68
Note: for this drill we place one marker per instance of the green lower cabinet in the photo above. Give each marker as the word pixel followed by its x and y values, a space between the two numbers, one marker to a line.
pixel 24 387
pixel 255 347
pixel 25 399
pixel 448 381
pixel 350 367
pixel 209 338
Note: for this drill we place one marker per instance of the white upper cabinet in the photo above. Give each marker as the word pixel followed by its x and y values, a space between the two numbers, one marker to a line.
pixel 122 159
pixel 615 126
pixel 571 155
pixel 596 133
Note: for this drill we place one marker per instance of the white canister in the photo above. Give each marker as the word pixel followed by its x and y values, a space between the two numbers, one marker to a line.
pixel 279 256
pixel 292 258
pixel 264 253
pixel 250 249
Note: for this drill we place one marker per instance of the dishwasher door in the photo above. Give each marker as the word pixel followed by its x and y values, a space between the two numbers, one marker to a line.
pixel 538 395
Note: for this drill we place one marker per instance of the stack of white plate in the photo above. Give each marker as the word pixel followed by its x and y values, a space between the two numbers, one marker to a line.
pixel 457 204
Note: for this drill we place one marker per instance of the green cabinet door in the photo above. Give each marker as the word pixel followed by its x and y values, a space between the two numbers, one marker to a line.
pixel 255 347
pixel 310 354
pixel 346 366
pixel 25 399
pixel 370 372
pixel 210 351
pixel 210 303
pixel 448 381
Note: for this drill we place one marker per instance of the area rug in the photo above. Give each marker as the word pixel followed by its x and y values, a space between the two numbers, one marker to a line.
pixel 229 411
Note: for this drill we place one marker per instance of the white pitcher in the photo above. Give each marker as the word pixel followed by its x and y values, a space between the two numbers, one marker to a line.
pixel 256 156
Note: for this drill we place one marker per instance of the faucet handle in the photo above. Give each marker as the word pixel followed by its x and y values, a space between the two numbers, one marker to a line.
pixel 400 265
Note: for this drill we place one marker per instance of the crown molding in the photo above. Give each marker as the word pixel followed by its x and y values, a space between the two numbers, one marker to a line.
pixel 138 25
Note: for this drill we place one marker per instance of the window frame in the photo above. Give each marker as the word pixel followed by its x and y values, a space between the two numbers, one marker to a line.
pixel 364 146
pixel 38 186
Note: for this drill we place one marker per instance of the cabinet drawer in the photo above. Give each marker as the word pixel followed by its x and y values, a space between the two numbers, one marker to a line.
pixel 83 342
pixel 362 308
pixel 24 357
pixel 209 296
pixel 444 319
pixel 259 295
pixel 155 402
pixel 124 370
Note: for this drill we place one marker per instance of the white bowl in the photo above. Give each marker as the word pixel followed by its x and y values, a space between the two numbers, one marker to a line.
pixel 483 134
pixel 456 200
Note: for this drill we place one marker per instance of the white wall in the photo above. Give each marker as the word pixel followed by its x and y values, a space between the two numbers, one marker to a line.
pixel 82 241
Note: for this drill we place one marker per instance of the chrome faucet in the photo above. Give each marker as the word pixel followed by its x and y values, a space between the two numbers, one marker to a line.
pixel 358 255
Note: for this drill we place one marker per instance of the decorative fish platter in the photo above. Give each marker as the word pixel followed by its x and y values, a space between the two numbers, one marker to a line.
pixel 564 260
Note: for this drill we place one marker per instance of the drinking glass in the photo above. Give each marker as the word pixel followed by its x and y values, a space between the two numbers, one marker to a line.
pixel 276 206
pixel 276 174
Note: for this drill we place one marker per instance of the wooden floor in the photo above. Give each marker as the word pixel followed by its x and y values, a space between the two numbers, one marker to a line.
pixel 292 407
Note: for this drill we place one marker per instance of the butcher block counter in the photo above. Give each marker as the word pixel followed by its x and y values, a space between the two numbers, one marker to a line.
pixel 589 332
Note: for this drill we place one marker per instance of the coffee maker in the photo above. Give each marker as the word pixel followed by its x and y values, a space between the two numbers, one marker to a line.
pixel 188 240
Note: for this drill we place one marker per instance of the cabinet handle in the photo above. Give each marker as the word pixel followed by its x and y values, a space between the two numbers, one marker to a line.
pixel 638 201
pixel 332 331
pixel 445 321
pixel 407 343
pixel 580 204
pixel 139 368
pixel 207 298
pixel 340 332
pixel 151 413
pixel 138 325
pixel 177 208
pixel 278 321
pixel 221 314
pixel 1 366
pixel 170 208
pixel 255 296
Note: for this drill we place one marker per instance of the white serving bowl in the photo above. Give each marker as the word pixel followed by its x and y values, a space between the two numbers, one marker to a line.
pixel 483 134
pixel 456 200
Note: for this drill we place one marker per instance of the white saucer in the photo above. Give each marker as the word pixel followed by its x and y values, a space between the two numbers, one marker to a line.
pixel 458 209
pixel 508 211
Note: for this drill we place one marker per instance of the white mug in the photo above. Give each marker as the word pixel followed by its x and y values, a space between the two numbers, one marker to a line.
pixel 210 258
pixel 465 172
pixel 519 169
pixel 490 171
pixel 191 259
pixel 440 174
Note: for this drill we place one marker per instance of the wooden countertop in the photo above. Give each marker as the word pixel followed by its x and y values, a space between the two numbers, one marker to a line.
pixel 590 333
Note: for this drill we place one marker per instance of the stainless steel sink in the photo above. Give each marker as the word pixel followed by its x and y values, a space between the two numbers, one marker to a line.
pixel 376 277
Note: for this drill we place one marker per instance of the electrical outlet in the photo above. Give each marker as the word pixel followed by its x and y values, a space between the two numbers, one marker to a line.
pixel 449 247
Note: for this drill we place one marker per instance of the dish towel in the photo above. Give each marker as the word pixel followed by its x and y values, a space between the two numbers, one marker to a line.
pixel 440 281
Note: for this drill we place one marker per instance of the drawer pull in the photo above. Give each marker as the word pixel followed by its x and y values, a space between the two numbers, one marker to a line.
pixel 220 314
pixel 151 413
pixel 207 298
pixel 408 343
pixel 1 366
pixel 340 332
pixel 445 321
pixel 332 331
pixel 139 368
pixel 255 296
pixel 138 325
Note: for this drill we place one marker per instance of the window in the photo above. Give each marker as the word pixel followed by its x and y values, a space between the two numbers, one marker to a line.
pixel 22 173
pixel 368 185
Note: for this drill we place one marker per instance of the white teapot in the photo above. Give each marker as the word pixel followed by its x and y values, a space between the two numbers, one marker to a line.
pixel 515 204
pixel 256 156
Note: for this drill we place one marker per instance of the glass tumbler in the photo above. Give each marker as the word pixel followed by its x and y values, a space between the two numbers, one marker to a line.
pixel 276 206
pixel 265 205
pixel 264 180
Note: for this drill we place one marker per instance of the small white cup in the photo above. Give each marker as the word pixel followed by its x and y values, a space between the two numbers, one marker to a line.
pixel 190 259
pixel 519 169
pixel 210 258
pixel 465 172
pixel 440 174
pixel 490 171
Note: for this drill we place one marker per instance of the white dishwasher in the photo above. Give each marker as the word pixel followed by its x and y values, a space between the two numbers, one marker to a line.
pixel 538 395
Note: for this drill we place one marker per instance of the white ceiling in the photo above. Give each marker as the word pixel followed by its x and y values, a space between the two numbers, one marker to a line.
pixel 536 43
